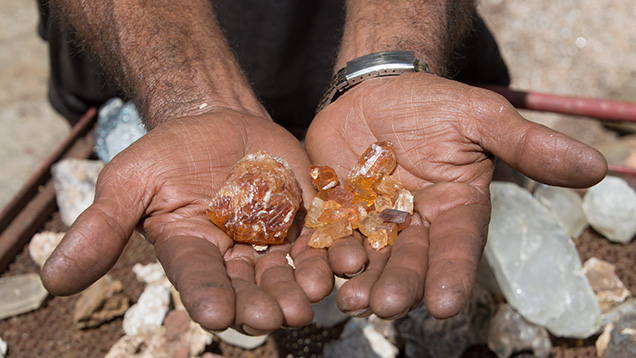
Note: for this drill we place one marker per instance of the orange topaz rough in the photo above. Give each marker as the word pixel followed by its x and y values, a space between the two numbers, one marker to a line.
pixel 370 200
pixel 258 201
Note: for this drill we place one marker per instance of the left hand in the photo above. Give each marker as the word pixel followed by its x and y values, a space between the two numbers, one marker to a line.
pixel 446 136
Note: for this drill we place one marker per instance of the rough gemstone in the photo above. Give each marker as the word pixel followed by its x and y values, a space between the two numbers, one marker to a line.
pixel 258 201
pixel 610 208
pixel 388 185
pixel 383 202
pixel 401 218
pixel 323 177
pixel 314 213
pixel 537 265
pixel 358 201
pixel 403 201
pixel 378 160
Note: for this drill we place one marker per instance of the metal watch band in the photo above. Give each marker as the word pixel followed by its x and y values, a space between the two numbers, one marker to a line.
pixel 387 63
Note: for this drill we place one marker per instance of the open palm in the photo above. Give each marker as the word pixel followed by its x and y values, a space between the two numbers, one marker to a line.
pixel 446 136
pixel 164 183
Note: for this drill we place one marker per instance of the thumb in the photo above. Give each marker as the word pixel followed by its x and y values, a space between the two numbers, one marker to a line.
pixel 537 151
pixel 97 238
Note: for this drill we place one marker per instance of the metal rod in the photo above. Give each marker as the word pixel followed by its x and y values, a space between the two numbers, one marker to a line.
pixel 599 108
pixel 32 206
pixel 31 186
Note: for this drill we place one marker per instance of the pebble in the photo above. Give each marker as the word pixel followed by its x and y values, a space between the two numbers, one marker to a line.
pixel 510 333
pixel 74 181
pixel 608 288
pixel 360 339
pixel 101 302
pixel 537 266
pixel 618 339
pixel 20 294
pixel 566 205
pixel 610 208
pixel 3 348
pixel 148 313
pixel 42 245
pixel 451 336
pixel 238 339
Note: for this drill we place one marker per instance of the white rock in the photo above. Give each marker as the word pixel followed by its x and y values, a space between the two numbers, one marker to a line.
pixel 609 289
pixel 510 333
pixel 20 294
pixel 42 245
pixel 148 313
pixel 537 265
pixel 626 308
pixel 74 181
pixel 610 208
pixel 236 338
pixel 566 205
pixel 360 339
pixel 3 348
pixel 149 273
pixel 118 126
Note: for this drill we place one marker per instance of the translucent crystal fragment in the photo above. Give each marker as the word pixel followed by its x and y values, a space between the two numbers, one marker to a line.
pixel 320 239
pixel 332 212
pixel 401 218
pixel 389 185
pixel 323 177
pixel 341 196
pixel 382 203
pixel 325 235
pixel 312 219
pixel 258 201
pixel 378 160
pixel 370 200
pixel 403 201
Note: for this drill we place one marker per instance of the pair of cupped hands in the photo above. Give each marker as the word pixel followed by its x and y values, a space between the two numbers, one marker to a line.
pixel 446 136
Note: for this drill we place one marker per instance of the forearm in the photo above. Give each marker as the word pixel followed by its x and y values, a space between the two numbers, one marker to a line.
pixel 170 57
pixel 430 28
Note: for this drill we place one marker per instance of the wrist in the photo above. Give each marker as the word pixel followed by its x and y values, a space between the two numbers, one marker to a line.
pixel 430 28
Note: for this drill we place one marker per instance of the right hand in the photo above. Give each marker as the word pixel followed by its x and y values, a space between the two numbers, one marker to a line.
pixel 164 183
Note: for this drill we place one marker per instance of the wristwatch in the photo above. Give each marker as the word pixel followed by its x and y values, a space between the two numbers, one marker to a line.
pixel 387 63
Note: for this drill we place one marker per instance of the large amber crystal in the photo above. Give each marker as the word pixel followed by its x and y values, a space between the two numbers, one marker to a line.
pixel 258 201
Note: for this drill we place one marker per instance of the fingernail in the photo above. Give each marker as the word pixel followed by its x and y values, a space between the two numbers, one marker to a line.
pixel 253 332
pixel 360 313
pixel 397 316
pixel 350 275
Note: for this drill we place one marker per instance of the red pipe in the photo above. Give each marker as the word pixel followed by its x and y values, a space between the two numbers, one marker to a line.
pixel 605 109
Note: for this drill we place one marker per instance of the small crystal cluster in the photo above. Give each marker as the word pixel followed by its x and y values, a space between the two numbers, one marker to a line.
pixel 257 203
pixel 370 200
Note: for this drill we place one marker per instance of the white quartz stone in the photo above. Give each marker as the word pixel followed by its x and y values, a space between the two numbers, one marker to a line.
pixel 537 265
pixel 566 205
pixel 148 313
pixel 610 208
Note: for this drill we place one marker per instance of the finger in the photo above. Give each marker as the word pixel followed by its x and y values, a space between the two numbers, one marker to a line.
pixel 347 256
pixel 354 295
pixel 535 150
pixel 276 277
pixel 196 269
pixel 312 273
pixel 457 238
pixel 96 239
pixel 400 288
pixel 257 313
